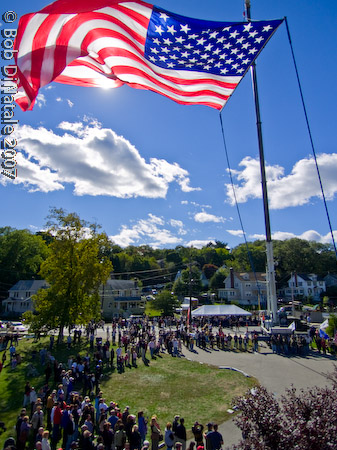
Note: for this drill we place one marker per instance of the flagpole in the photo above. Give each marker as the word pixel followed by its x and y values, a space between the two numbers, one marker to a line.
pixel 271 284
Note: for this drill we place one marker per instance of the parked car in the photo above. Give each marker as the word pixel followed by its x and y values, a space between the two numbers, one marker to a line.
pixel 19 327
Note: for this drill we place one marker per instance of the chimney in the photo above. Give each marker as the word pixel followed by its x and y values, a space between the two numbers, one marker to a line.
pixel 231 274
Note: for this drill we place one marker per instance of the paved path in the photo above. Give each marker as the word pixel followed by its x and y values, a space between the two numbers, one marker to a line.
pixel 275 372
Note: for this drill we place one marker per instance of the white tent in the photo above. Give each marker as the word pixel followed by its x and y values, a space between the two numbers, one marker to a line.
pixel 220 310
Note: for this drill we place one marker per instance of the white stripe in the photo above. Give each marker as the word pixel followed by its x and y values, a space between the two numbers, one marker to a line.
pixel 47 68
pixel 193 99
pixel 75 42
pixel 114 61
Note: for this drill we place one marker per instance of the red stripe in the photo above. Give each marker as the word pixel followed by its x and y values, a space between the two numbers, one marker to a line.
pixel 38 49
pixel 113 51
pixel 126 70
pixel 82 6
pixel 67 32
pixel 24 20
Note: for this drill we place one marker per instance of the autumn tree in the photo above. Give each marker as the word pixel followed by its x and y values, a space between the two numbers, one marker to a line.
pixel 75 268
pixel 303 419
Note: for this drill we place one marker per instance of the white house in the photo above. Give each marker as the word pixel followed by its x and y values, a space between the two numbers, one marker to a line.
pixel 121 298
pixel 20 296
pixel 302 285
pixel 246 288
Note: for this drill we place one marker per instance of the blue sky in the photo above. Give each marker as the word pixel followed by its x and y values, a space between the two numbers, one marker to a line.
pixel 171 184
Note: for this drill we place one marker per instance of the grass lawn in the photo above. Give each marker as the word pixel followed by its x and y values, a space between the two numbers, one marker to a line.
pixel 168 386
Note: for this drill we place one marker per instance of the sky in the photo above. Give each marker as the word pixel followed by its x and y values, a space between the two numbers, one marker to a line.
pixel 153 172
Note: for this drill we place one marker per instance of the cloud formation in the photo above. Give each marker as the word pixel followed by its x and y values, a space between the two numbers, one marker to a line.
pixel 309 235
pixel 298 188
pixel 203 217
pixel 95 160
pixel 150 231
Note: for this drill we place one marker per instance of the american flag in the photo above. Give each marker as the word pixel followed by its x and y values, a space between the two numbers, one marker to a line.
pixel 108 43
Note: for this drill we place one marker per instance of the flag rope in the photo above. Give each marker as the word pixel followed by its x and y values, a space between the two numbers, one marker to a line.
pixel 310 135
pixel 251 262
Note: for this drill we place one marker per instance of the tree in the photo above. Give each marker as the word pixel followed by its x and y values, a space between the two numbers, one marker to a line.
pixel 218 279
pixel 209 270
pixel 166 303
pixel 303 420
pixel 75 268
pixel 332 326
pixel 21 255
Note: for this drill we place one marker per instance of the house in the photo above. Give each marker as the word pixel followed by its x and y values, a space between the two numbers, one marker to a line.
pixel 303 286
pixel 20 297
pixel 121 298
pixel 330 280
pixel 244 288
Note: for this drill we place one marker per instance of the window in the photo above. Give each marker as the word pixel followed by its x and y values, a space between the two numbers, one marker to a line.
pixel 247 285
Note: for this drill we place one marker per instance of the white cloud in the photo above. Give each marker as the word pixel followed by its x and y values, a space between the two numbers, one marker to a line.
pixel 199 243
pixel 238 233
pixel 147 231
pixel 309 235
pixel 178 224
pixel 41 100
pixel 95 160
pixel 298 188
pixel 70 103
pixel 186 202
pixel 203 217
pixel 59 99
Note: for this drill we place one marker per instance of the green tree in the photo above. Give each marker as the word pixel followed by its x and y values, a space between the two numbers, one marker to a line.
pixel 166 303
pixel 256 253
pixel 75 268
pixel 21 255
pixel 332 327
pixel 218 279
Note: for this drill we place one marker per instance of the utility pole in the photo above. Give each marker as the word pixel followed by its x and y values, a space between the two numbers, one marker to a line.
pixel 271 284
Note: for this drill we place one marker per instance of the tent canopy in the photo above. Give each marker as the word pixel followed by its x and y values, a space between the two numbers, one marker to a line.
pixel 220 310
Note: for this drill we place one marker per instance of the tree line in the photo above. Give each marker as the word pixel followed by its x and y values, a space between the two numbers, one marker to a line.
pixel 23 253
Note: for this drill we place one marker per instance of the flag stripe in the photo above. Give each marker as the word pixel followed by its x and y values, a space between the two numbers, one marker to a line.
pixel 122 42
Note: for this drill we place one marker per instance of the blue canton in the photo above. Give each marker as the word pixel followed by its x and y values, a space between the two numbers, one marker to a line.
pixel 220 48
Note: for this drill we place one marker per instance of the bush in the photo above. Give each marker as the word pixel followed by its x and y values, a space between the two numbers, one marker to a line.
pixel 303 420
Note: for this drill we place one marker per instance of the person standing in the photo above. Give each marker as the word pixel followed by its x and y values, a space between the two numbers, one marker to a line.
pixel 180 433
pixel 156 435
pixel 142 426
pixel 216 438
pixel 169 436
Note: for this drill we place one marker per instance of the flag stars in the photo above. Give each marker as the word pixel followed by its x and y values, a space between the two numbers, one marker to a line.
pixel 247 27
pixel 185 28
pixel 246 45
pixel 180 39
pixel 240 40
pixel 240 70
pixel 208 47
pixel 152 58
pixel 168 41
pixel 226 29
pixel 259 40
pixel 228 45
pixel 252 34
pixel 193 36
pixel 185 55
pixel 218 65
pixel 188 46
pixel 170 65
pixel 162 58
pixel 220 40
pixel 252 51
pixel 156 41
pixel 154 50
pixel 159 29
pixel 201 41
pixel 234 34
pixel 214 34
pixel 234 51
pixel 224 71
pixel 267 28
pixel 164 16
pixel 171 30
pixel 223 56
pixel 241 55
pixel 165 50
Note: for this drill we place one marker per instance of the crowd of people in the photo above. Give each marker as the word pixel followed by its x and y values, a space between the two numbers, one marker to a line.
pixel 75 414
pixel 70 411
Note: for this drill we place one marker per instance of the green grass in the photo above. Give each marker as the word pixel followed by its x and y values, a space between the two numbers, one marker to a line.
pixel 168 386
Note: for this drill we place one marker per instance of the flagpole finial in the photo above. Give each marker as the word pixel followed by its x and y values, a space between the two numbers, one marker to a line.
pixel 247 8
